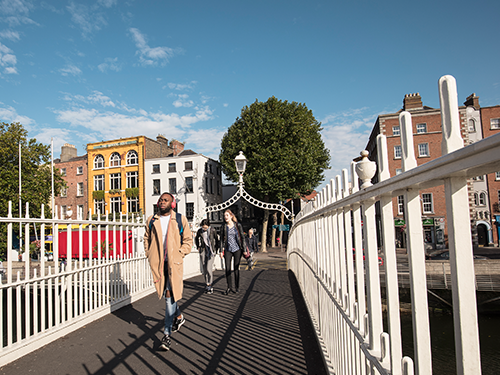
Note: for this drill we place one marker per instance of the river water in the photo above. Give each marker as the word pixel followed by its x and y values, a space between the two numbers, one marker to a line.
pixel 443 347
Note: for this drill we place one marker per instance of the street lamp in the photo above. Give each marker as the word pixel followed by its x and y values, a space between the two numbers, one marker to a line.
pixel 241 164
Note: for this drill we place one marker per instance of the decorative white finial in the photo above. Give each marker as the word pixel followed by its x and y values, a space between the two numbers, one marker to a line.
pixel 366 170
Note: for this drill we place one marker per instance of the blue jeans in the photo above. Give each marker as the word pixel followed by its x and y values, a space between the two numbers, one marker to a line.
pixel 171 309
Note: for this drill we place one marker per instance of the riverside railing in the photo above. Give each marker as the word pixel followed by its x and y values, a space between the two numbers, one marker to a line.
pixel 344 296
pixel 98 267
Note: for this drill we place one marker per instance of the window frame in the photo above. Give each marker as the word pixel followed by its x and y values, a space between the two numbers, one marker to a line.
pixel 99 178
pixel 401 204
pixel 495 123
pixel 482 199
pixel 115 160
pixel 99 162
pixel 132 176
pixel 398 149
pixel 172 167
pixel 189 185
pixel 189 210
pixel 420 149
pixel 131 202
pixel 429 202
pixel 115 204
pixel 79 189
pixel 172 185
pixel 156 189
pixel 115 181
pixel 79 171
pixel 156 168
pixel 132 157
pixel 188 165
pixel 421 128
pixel 396 130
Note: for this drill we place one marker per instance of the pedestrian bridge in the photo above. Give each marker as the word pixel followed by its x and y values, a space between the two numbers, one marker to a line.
pixel 343 297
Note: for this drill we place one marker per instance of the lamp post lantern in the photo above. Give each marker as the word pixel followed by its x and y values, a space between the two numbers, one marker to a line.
pixel 241 165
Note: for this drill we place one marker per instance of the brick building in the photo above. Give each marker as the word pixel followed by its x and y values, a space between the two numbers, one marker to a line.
pixel 490 125
pixel 116 172
pixel 427 136
pixel 73 199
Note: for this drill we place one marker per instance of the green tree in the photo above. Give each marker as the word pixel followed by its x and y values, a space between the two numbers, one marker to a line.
pixel 36 186
pixel 282 143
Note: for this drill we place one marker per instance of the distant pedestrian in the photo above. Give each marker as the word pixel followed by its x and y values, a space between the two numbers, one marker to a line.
pixel 167 240
pixel 252 242
pixel 206 243
pixel 232 244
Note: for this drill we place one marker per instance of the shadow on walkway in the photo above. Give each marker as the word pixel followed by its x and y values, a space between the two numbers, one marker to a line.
pixel 264 329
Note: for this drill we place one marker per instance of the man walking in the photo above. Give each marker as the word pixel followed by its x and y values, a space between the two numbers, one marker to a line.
pixel 167 240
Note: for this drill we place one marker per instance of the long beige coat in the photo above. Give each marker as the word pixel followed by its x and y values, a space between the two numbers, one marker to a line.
pixel 153 243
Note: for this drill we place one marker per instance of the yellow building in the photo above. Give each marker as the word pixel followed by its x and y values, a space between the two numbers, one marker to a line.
pixel 116 172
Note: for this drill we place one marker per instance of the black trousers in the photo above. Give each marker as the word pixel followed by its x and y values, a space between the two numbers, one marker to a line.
pixel 228 256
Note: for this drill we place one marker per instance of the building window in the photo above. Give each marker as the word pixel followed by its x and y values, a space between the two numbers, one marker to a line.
pixel 171 167
pixel 172 185
pixel 495 123
pixel 133 204
pixel 482 199
pixel 397 152
pixel 115 180
pixel 427 203
pixel 79 170
pixel 79 189
pixel 497 176
pixel 99 182
pixel 421 128
pixel 398 171
pixel 116 204
pixel 188 166
pixel 498 196
pixel 99 162
pixel 132 179
pixel 189 184
pixel 476 199
pixel 79 212
pixel 99 206
pixel 472 125
pixel 396 130
pixel 156 187
pixel 156 168
pixel 218 187
pixel 64 209
pixel 210 168
pixel 114 160
pixel 478 178
pixel 64 192
pixel 189 211
pixel 206 185
pixel 401 204
pixel 132 158
pixel 423 149
pixel 211 186
pixel 63 171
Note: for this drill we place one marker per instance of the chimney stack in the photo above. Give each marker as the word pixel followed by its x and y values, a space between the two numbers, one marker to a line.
pixel 68 152
pixel 472 100
pixel 412 101
pixel 176 146
pixel 162 139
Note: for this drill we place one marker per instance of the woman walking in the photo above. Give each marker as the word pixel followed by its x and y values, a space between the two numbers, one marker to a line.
pixel 206 240
pixel 232 244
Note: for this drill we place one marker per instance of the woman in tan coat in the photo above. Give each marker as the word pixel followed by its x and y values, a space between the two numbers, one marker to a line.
pixel 167 240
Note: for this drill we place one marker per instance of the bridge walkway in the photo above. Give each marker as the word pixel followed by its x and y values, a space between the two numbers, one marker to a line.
pixel 264 329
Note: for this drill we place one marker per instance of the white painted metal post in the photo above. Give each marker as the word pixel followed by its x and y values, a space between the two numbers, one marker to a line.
pixel 416 256
pixel 459 235
pixel 390 262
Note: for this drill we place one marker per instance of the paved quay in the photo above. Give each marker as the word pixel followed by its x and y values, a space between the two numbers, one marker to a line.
pixel 263 329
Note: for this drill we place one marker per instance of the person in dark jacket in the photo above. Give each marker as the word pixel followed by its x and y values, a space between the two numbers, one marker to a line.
pixel 206 242
pixel 232 244
pixel 252 242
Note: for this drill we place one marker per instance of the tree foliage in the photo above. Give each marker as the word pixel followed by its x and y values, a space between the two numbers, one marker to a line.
pixel 36 186
pixel 283 145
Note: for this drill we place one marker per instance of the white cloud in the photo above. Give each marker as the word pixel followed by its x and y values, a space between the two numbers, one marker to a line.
pixel 10 35
pixel 70 69
pixel 8 60
pixel 182 86
pixel 9 114
pixel 205 141
pixel 149 56
pixel 86 18
pixel 107 3
pixel 111 64
pixel 345 134
pixel 16 12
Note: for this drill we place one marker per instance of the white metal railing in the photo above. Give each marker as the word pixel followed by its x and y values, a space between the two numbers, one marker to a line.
pixel 348 315
pixel 103 268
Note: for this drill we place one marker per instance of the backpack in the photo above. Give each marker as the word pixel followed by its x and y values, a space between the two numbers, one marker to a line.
pixel 178 218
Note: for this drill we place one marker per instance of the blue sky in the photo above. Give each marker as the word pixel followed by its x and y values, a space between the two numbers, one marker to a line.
pixel 85 71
